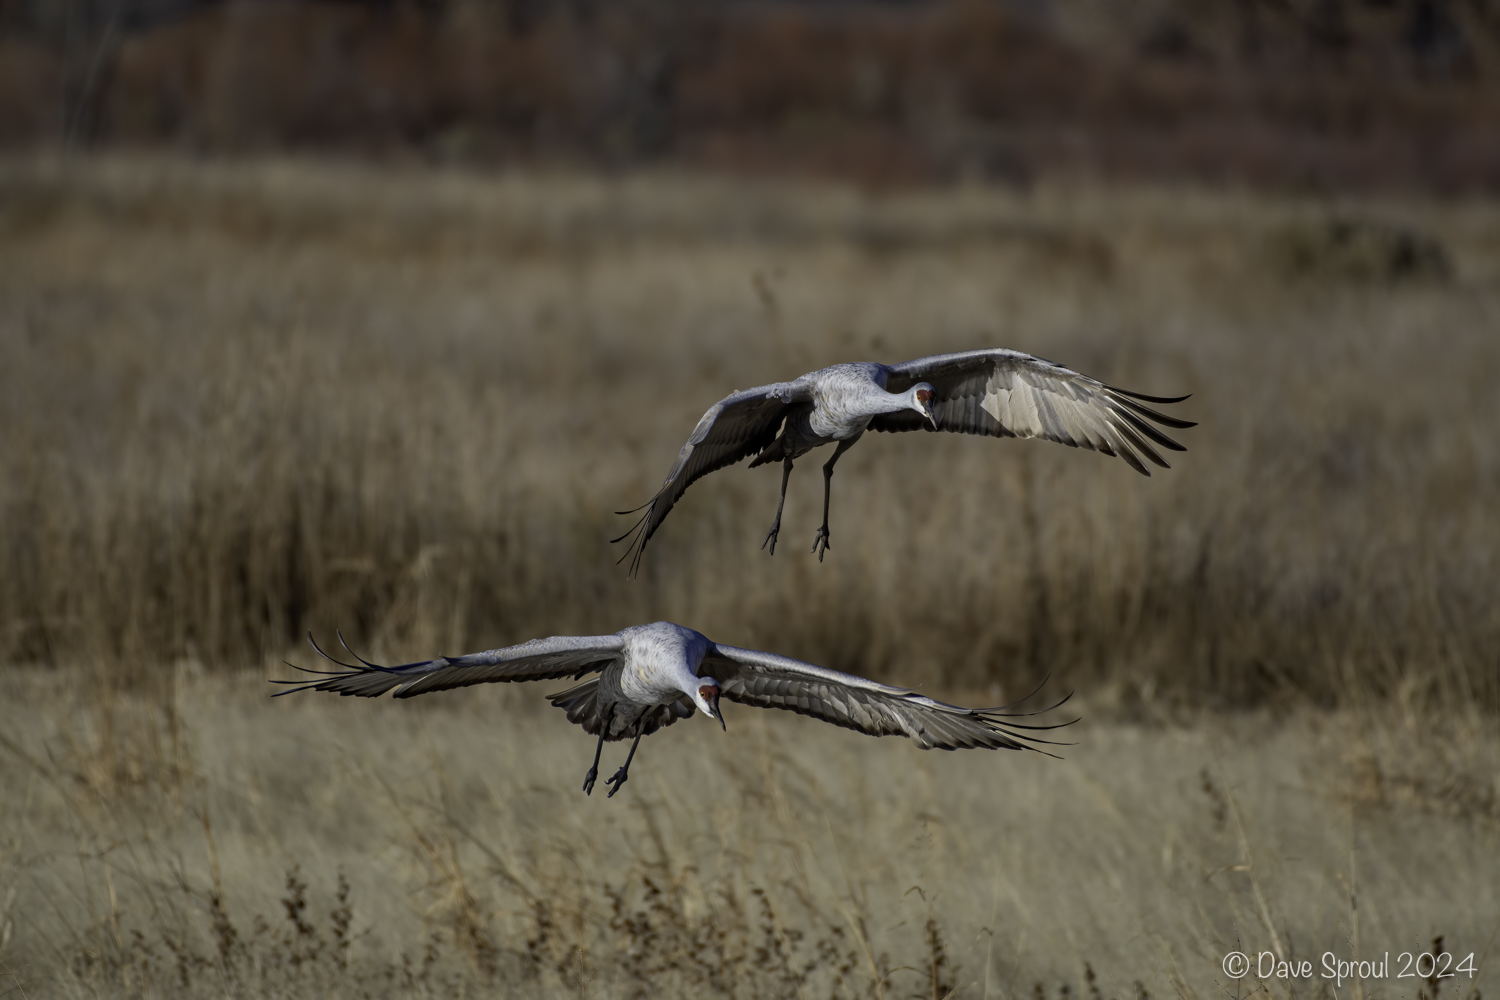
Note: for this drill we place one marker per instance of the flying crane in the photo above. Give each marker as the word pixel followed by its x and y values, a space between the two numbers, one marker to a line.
pixel 649 676
pixel 995 392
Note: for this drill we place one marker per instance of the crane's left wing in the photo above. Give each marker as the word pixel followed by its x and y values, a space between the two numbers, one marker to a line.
pixel 738 425
pixel 537 660
pixel 1005 393
pixel 767 680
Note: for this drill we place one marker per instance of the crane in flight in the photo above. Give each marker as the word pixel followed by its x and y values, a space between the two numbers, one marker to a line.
pixel 995 392
pixel 649 676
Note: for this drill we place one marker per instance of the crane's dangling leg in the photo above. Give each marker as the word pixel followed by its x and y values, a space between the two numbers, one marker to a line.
pixel 820 542
pixel 592 776
pixel 621 774
pixel 786 473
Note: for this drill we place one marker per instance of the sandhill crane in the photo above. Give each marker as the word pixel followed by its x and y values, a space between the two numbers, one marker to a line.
pixel 652 675
pixel 997 392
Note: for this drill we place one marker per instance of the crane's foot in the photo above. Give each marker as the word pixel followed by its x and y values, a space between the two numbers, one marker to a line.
pixel 820 543
pixel 589 779
pixel 617 781
pixel 771 538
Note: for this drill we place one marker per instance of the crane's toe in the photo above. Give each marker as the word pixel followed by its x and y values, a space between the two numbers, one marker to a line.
pixel 820 543
pixel 771 537
pixel 617 781
pixel 589 779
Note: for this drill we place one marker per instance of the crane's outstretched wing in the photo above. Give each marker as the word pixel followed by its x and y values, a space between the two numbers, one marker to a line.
pixel 739 425
pixel 537 660
pixel 1006 393
pixel 771 681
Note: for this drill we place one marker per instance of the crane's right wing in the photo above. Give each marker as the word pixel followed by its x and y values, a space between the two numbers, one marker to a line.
pixel 1004 393
pixel 540 659
pixel 767 680
pixel 739 425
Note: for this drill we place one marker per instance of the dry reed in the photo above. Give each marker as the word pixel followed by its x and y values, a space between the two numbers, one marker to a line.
pixel 218 843
pixel 242 401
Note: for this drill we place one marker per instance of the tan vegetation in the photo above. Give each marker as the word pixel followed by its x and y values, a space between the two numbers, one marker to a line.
pixel 237 402
pixel 242 402
pixel 219 844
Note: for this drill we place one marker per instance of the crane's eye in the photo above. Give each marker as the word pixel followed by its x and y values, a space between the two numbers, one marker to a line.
pixel 708 692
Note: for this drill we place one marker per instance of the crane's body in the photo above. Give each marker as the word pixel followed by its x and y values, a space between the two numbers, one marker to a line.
pixel 650 676
pixel 844 399
pixel 994 392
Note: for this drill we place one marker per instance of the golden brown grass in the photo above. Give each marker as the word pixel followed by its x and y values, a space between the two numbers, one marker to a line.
pixel 217 843
pixel 241 401
pixel 244 401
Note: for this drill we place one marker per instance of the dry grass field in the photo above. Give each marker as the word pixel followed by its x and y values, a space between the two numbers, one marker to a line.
pixel 219 844
pixel 240 401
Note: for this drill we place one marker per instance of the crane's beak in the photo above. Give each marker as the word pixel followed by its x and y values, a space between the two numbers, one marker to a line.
pixel 924 398
pixel 719 715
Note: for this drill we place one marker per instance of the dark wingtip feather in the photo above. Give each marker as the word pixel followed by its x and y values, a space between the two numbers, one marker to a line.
pixel 308 670
pixel 1129 457
pixel 1150 399
pixel 314 644
pixel 361 659
pixel 633 528
pixel 1174 422
pixel 294 687
pixel 1000 711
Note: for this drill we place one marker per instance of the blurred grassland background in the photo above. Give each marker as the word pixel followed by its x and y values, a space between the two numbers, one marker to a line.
pixel 366 316
pixel 242 400
pixel 1326 95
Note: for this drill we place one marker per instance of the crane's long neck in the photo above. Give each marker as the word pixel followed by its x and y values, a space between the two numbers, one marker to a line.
pixel 691 683
pixel 683 673
pixel 891 402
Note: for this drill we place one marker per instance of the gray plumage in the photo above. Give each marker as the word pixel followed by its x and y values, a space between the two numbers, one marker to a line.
pixel 649 676
pixel 995 392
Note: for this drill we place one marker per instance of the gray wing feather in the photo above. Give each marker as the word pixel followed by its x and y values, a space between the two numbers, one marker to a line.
pixel 767 680
pixel 539 659
pixel 1003 393
pixel 739 425
pixel 582 705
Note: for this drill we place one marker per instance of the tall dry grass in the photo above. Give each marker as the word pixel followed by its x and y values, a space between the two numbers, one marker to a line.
pixel 241 401
pixel 214 843
pixel 244 401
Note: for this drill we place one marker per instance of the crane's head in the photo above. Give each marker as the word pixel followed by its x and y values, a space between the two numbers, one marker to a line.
pixel 922 398
pixel 707 700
